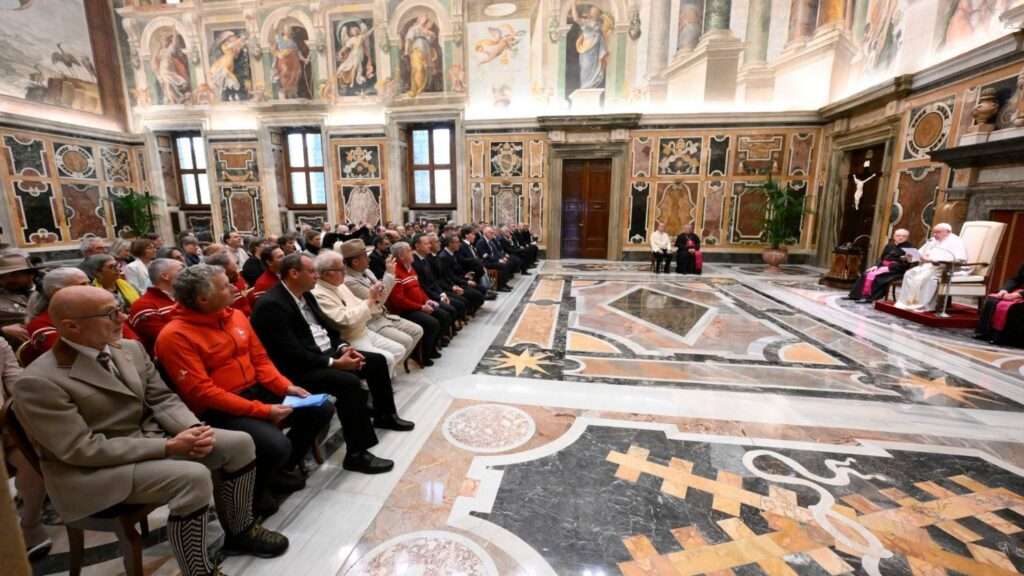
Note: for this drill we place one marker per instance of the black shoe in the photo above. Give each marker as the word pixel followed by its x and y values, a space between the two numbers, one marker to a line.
pixel 366 463
pixel 504 289
pixel 265 505
pixel 427 362
pixel 434 355
pixel 491 296
pixel 393 422
pixel 863 301
pixel 256 541
pixel 287 481
pixel 39 551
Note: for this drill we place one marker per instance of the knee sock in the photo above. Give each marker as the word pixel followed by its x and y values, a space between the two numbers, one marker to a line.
pixel 233 495
pixel 187 536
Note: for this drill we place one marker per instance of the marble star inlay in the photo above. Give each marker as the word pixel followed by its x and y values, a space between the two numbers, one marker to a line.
pixel 930 387
pixel 521 362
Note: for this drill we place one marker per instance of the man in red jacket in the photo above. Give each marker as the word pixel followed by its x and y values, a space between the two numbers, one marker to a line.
pixel 219 367
pixel 271 258
pixel 409 301
pixel 151 312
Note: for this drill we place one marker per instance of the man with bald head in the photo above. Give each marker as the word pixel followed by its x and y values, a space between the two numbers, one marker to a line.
pixel 892 264
pixel 108 431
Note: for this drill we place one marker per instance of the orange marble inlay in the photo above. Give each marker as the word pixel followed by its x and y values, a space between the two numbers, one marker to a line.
pixel 536 325
pixel 548 289
pixel 806 353
pixel 580 342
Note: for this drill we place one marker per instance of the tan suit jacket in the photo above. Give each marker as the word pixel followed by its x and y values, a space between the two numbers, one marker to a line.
pixel 90 428
pixel 348 312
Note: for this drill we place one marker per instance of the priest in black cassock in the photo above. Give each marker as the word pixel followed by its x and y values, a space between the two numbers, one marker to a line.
pixel 689 259
pixel 1002 314
pixel 892 264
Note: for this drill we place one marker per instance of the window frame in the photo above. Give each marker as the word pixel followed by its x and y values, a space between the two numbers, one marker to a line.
pixel 194 172
pixel 432 167
pixel 305 168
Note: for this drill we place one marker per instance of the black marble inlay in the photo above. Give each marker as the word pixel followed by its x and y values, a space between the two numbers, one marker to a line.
pixel 718 159
pixel 574 510
pixel 638 212
pixel 674 314
pixel 36 203
pixel 27 155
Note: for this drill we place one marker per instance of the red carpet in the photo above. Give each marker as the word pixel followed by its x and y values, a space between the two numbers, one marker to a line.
pixel 960 316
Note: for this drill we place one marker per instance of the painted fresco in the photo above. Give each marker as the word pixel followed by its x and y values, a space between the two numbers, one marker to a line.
pixel 45 54
pixel 230 76
pixel 499 53
pixel 422 60
pixel 170 67
pixel 355 61
pixel 587 47
pixel 292 61
pixel 963 22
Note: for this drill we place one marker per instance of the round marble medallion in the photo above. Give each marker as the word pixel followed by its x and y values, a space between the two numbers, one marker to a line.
pixel 928 130
pixel 488 428
pixel 426 553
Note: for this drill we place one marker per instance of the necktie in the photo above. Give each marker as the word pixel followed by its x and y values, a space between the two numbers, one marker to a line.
pixel 104 359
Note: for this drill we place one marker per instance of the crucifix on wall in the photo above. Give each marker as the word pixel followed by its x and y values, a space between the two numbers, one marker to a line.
pixel 859 184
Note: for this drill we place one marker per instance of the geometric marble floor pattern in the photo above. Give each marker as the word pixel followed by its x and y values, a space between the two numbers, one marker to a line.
pixel 603 420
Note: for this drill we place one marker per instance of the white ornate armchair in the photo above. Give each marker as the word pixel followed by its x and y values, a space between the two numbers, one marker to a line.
pixel 969 280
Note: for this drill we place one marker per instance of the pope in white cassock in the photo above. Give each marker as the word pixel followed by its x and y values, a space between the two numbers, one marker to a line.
pixel 921 284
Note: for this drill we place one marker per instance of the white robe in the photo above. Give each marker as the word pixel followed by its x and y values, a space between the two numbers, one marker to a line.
pixel 921 284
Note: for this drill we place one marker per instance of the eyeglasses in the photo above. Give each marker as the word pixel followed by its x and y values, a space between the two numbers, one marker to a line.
pixel 332 270
pixel 114 314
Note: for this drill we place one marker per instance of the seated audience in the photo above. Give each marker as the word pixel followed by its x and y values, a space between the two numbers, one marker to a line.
pixel 134 441
pixel 102 268
pixel 493 258
pixel 448 301
pixel 235 245
pixel 137 271
pixel 381 252
pixel 1002 316
pixel 524 239
pixel 42 332
pixel 349 314
pixel 470 260
pixel 288 243
pixel 190 248
pixel 17 284
pixel 689 259
pixel 310 353
pixel 311 242
pixel 121 250
pixel 453 272
pixel 509 246
pixel 271 256
pixel 28 482
pixel 450 282
pixel 874 282
pixel 409 301
pixel 253 267
pixel 920 284
pixel 213 249
pixel 171 252
pixel 239 290
pixel 154 309
pixel 223 373
pixel 91 245
pixel 360 280
pixel 661 248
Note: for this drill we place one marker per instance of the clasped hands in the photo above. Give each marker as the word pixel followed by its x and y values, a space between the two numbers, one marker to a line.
pixel 1006 295
pixel 193 443
pixel 350 359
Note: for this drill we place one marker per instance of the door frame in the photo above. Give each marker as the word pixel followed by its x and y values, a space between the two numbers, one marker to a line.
pixel 614 151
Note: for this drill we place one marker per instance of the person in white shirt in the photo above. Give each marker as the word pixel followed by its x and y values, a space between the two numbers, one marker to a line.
pixel 661 246
pixel 236 246
pixel 137 271
pixel 921 284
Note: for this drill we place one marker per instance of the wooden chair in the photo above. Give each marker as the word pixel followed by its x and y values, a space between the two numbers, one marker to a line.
pixel 493 275
pixel 120 519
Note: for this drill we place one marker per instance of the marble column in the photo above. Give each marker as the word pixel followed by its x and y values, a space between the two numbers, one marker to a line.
pixel 803 16
pixel 759 16
pixel 661 21
pixel 831 13
pixel 691 24
pixel 716 15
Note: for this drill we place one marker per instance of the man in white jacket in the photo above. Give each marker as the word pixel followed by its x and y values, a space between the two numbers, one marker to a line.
pixel 661 246
pixel 921 284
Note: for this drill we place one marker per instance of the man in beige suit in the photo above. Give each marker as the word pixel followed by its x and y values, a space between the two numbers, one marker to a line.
pixel 109 431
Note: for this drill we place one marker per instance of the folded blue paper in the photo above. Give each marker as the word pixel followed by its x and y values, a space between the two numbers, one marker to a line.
pixel 308 401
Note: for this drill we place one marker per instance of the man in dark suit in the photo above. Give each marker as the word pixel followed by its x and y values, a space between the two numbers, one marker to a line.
pixel 451 268
pixel 516 254
pixel 493 258
pixel 469 259
pixel 379 256
pixel 450 301
pixel 524 239
pixel 473 298
pixel 309 352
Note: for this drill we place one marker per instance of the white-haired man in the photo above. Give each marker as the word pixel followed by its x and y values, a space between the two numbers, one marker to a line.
pixel 920 284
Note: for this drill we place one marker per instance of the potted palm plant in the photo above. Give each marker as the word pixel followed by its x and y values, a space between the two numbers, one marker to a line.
pixel 785 207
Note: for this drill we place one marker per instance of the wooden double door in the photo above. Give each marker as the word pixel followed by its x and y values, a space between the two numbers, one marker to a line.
pixel 586 207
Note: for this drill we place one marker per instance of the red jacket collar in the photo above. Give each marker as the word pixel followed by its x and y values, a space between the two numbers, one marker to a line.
pixel 158 294
pixel 202 319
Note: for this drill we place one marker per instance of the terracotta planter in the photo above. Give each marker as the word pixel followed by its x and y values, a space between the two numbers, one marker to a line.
pixel 773 257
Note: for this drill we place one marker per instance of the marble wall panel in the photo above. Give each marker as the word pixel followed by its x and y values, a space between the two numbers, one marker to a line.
pixel 714 210
pixel 676 205
pixel 476 159
pixel 915 190
pixel 801 154
pixel 718 155
pixel 117 164
pixel 361 162
pixel 749 205
pixel 25 155
pixel 758 155
pixel 679 156
pixel 928 129
pixel 201 223
pixel 166 158
pixel 235 164
pixel 638 197
pixel 536 207
pixel 241 209
pixel 37 217
pixel 506 203
pixel 476 201
pixel 537 158
pixel 83 210
pixel 506 159
pixel 75 161
pixel 122 217
pixel 362 204
pixel 642 154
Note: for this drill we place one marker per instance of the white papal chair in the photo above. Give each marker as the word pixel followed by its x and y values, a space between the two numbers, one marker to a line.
pixel 969 280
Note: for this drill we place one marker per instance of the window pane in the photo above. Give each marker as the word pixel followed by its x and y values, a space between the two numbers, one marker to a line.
pixel 420 147
pixel 204 189
pixel 317 190
pixel 200 148
pixel 185 153
pixel 422 186
pixel 188 187
pixel 443 186
pixel 295 158
pixel 299 188
pixel 316 151
pixel 442 146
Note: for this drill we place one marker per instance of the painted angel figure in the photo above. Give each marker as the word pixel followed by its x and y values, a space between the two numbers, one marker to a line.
pixel 592 44
pixel 170 65
pixel 223 80
pixel 355 60
pixel 503 43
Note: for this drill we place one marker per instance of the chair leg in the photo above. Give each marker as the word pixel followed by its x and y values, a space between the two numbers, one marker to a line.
pixel 144 527
pixel 76 549
pixel 131 547
pixel 318 452
pixel 405 364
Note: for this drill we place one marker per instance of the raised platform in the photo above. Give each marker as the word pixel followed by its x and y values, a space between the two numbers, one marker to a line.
pixel 960 316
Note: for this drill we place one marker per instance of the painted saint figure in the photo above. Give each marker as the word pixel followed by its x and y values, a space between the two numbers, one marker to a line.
pixel 291 62
pixel 355 58
pixel 223 74
pixel 592 45
pixel 421 56
pixel 170 65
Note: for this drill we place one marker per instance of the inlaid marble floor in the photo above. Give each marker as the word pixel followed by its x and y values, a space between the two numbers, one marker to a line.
pixel 603 420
